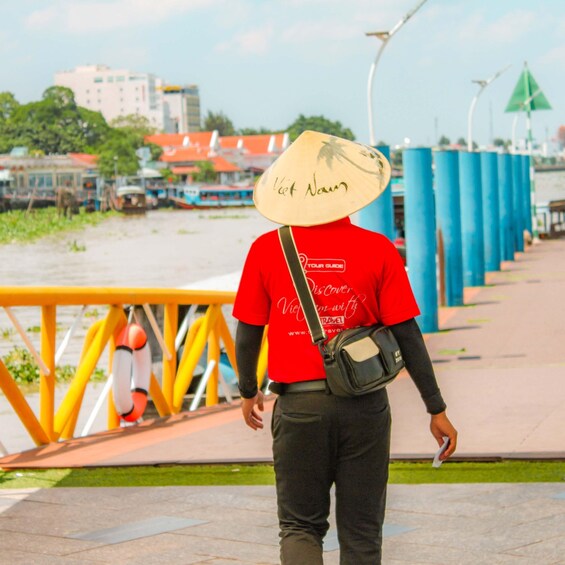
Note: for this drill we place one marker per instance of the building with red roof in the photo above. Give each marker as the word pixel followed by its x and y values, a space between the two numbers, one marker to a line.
pixel 230 155
pixel 253 153
pixel 204 139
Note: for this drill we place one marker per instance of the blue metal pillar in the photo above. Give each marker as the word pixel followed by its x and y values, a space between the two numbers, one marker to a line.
pixel 472 219
pixel 448 207
pixel 491 212
pixel 378 216
pixel 420 229
pixel 505 201
pixel 526 185
pixel 518 200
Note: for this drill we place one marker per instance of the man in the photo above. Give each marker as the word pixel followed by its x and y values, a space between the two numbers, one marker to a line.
pixel 357 278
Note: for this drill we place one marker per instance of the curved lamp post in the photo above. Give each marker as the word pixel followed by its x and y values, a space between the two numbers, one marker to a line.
pixel 483 84
pixel 384 36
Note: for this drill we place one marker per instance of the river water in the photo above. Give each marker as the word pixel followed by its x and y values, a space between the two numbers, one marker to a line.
pixel 163 249
pixel 549 186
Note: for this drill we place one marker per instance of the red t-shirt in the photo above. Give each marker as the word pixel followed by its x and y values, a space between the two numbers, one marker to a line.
pixel 356 276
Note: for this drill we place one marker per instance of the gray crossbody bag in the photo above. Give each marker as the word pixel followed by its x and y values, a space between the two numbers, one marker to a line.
pixel 358 360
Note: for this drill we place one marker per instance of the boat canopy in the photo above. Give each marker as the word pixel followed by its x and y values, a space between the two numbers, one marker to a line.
pixel 130 189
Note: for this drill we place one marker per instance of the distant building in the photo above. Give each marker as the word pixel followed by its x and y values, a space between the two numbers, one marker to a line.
pixel 40 177
pixel 120 92
pixel 181 107
pixel 235 158
pixel 253 153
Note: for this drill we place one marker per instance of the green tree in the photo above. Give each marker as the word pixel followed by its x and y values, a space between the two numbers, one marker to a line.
pixel 8 104
pixel 168 175
pixel 443 141
pixel 206 172
pixel 56 124
pixel 253 131
pixel 136 128
pixel 499 142
pixel 218 122
pixel 134 125
pixel 117 155
pixel 317 123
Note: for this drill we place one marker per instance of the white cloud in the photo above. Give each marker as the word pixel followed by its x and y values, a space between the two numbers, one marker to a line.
pixel 41 19
pixel 324 32
pixel 509 28
pixel 255 42
pixel 554 57
pixel 98 16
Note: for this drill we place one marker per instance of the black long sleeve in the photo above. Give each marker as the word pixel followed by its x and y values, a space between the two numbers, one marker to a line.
pixel 248 340
pixel 418 364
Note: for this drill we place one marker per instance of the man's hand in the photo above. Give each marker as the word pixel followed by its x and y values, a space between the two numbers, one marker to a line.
pixel 250 415
pixel 440 426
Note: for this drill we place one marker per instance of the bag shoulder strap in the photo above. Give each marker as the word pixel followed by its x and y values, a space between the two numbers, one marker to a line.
pixel 301 285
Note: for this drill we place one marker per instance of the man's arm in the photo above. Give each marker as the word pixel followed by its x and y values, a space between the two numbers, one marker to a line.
pixel 248 341
pixel 419 366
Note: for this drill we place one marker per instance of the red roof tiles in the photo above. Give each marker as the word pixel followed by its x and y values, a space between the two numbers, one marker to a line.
pixel 194 139
pixel 84 159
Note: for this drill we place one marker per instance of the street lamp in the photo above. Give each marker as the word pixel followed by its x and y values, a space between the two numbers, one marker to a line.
pixel 384 36
pixel 515 121
pixel 115 171
pixel 483 84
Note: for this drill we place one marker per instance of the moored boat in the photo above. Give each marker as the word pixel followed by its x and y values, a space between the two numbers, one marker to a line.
pixel 131 199
pixel 213 196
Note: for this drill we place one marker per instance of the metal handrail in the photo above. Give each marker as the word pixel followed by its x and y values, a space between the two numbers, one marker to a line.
pixel 209 330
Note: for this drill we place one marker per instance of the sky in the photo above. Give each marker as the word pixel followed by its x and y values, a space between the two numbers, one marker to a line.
pixel 264 62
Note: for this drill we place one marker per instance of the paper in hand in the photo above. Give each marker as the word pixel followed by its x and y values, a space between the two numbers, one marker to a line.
pixel 437 461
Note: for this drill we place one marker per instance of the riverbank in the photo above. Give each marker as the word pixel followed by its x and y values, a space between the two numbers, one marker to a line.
pixel 19 226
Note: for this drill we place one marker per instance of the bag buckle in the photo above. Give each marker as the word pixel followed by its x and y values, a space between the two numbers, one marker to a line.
pixel 323 351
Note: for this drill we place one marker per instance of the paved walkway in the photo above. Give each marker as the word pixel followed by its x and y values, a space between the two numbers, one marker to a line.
pixel 500 361
pixel 482 524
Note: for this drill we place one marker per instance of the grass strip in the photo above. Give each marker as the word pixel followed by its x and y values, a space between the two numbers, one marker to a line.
pixel 220 475
pixel 18 227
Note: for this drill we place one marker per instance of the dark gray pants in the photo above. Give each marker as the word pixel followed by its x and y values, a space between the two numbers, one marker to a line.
pixel 320 440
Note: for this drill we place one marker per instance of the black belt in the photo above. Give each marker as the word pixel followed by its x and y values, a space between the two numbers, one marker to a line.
pixel 302 386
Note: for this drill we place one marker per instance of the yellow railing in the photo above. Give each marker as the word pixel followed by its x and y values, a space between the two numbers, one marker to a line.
pixel 210 329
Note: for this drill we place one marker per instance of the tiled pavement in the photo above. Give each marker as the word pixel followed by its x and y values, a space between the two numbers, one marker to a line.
pixel 475 524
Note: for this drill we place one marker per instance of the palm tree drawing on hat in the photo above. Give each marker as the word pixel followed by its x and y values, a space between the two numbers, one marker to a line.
pixel 334 148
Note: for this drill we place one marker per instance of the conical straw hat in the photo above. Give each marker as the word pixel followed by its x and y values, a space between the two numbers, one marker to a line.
pixel 320 178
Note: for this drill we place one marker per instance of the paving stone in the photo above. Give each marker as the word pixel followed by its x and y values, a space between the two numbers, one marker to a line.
pixel 421 553
pixel 41 544
pixel 12 557
pixel 37 518
pixel 135 530
pixel 546 551
pixel 183 549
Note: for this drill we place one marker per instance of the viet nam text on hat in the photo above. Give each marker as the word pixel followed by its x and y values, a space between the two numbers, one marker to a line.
pixel 320 178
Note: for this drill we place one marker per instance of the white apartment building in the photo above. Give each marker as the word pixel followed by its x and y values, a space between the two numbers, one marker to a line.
pixel 116 92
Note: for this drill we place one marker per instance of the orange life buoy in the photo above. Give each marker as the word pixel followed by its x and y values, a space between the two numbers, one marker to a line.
pixel 131 369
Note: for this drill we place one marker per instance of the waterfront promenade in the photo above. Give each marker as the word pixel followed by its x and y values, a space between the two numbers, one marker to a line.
pixel 500 361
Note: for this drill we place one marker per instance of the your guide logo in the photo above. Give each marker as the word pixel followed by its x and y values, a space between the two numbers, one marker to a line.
pixel 322 265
